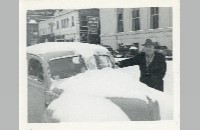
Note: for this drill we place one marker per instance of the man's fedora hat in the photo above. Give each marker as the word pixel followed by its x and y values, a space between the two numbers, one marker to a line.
pixel 148 42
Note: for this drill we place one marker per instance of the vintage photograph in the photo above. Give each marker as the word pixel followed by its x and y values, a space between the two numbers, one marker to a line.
pixel 100 64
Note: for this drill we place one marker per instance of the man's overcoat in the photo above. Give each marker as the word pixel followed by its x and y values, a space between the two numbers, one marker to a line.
pixel 153 74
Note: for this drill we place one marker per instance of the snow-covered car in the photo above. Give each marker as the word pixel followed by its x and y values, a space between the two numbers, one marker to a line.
pixel 77 82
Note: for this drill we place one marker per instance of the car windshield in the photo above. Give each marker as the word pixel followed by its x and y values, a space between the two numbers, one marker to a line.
pixel 61 68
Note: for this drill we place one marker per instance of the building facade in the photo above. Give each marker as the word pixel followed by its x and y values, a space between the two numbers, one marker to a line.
pixel 71 25
pixel 132 26
pixel 33 18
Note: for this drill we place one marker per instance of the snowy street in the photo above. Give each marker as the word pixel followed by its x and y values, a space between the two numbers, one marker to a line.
pixel 73 69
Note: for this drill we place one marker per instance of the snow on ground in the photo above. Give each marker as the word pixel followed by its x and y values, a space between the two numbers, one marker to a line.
pixel 84 95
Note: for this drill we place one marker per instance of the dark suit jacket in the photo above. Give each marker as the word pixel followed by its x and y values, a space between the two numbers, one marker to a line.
pixel 153 75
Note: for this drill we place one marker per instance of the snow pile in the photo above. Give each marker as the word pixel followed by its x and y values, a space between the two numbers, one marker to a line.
pixel 168 79
pixel 84 49
pixel 84 95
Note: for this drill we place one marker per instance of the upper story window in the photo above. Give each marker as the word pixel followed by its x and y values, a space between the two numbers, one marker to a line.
pixel 170 17
pixel 57 24
pixel 135 19
pixel 67 22
pixel 72 20
pixel 120 25
pixel 63 23
pixel 154 23
pixel 83 21
pixel 49 30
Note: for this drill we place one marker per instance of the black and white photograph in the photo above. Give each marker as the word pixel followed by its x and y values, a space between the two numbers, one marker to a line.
pixel 112 64
pixel 99 65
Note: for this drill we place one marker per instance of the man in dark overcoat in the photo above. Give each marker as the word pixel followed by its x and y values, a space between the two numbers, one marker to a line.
pixel 152 66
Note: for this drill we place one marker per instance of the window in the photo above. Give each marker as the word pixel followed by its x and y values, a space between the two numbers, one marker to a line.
pixel 66 67
pixel 67 22
pixel 83 21
pixel 120 20
pixel 135 20
pixel 49 30
pixel 57 24
pixel 72 20
pixel 43 31
pixel 84 37
pixel 63 23
pixel 154 18
pixel 35 70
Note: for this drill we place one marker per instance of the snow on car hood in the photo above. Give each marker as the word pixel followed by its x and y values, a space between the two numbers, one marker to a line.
pixel 84 95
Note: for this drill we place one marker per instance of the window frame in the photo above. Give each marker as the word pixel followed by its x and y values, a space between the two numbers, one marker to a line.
pixel 67 22
pixel 73 23
pixel 57 25
pixel 154 13
pixel 83 19
pixel 134 19
pixel 120 21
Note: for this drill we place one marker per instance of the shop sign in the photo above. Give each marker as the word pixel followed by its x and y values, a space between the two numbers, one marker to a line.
pixel 93 24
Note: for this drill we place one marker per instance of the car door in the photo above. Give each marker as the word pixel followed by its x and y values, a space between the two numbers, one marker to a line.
pixel 62 67
pixel 36 88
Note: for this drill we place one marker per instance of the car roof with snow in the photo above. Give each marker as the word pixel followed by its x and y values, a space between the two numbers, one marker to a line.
pixel 55 49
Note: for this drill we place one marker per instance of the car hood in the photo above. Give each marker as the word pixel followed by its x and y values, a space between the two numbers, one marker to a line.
pixel 105 95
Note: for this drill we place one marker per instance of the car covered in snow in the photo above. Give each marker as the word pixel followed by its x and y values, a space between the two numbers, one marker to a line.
pixel 79 82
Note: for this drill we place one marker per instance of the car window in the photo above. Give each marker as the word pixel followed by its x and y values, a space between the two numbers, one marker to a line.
pixel 35 70
pixel 61 68
pixel 103 61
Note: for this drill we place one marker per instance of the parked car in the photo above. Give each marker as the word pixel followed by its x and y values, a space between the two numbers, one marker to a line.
pixel 127 51
pixel 109 49
pixel 132 51
pixel 53 65
pixel 165 51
